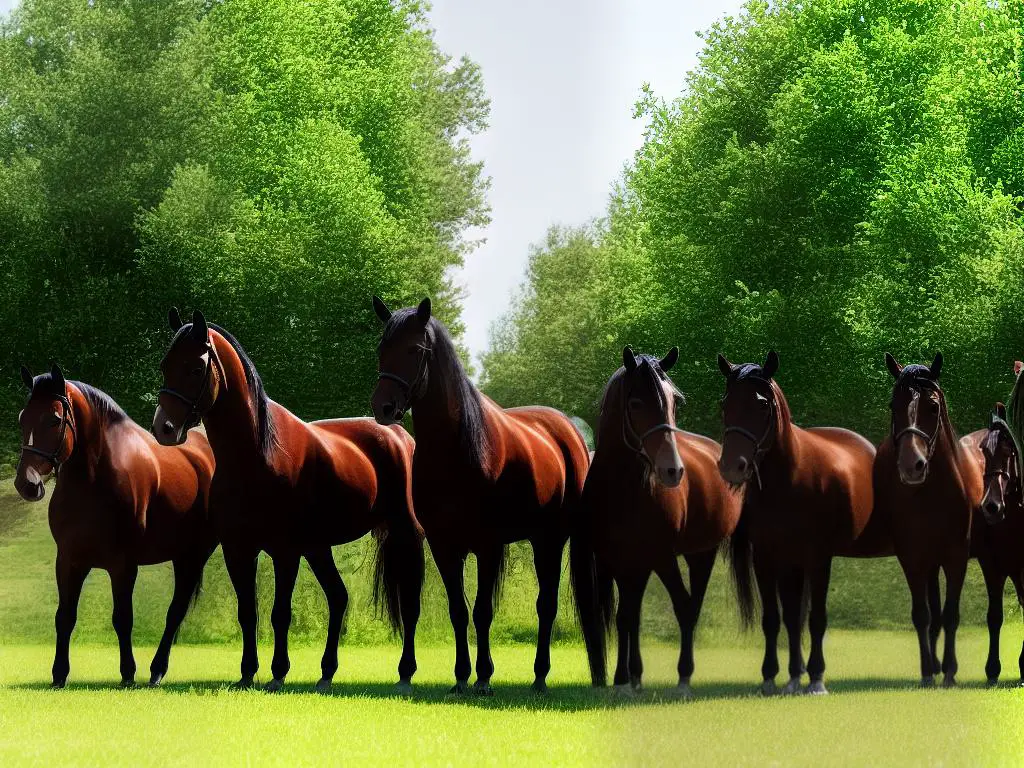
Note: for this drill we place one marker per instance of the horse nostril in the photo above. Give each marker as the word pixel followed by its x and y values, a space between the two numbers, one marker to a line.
pixel 991 509
pixel 741 464
pixel 168 428
pixel 388 409
pixel 919 465
pixel 671 471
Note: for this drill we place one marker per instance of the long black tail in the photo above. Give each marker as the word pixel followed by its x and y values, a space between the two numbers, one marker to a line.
pixel 397 572
pixel 593 596
pixel 741 560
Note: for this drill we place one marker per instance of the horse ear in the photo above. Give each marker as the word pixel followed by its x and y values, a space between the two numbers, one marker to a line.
pixel 628 359
pixel 57 375
pixel 894 368
pixel 1001 411
pixel 26 376
pixel 199 328
pixel 383 313
pixel 1017 366
pixel 423 311
pixel 669 359
pixel 771 364
pixel 936 367
pixel 174 319
pixel 724 365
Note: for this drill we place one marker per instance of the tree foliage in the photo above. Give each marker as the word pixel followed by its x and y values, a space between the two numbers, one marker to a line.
pixel 839 178
pixel 273 163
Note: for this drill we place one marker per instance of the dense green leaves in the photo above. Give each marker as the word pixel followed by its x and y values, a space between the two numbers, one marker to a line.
pixel 273 163
pixel 838 179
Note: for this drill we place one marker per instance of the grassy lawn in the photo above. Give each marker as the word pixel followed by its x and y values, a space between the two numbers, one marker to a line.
pixel 875 714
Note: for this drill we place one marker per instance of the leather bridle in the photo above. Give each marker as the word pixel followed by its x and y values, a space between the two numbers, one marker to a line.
pixel 912 428
pixel 195 414
pixel 629 432
pixel 411 389
pixel 66 423
pixel 761 444
pixel 1012 478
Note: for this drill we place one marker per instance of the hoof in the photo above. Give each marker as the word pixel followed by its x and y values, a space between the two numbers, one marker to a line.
pixel 243 685
pixel 483 688
pixel 274 685
pixel 128 682
pixel 461 688
pixel 769 688
pixel 682 691
pixel 403 687
pixel 949 681
pixel 155 680
pixel 992 682
pixel 792 687
pixel 624 690
pixel 57 685
pixel 539 687
pixel 928 682
pixel 324 685
pixel 816 688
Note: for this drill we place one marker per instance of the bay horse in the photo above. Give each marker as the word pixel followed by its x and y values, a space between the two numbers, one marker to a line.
pixel 653 493
pixel 927 483
pixel 119 501
pixel 293 489
pixel 807 499
pixel 483 477
pixel 997 536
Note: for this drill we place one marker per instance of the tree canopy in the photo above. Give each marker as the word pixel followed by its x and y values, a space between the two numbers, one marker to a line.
pixel 838 179
pixel 272 163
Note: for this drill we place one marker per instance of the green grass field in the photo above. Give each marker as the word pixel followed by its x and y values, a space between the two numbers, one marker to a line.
pixel 875 715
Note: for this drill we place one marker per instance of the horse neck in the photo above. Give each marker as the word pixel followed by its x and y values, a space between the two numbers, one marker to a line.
pixel 436 417
pixel 90 438
pixel 948 449
pixel 231 423
pixel 782 457
pixel 611 445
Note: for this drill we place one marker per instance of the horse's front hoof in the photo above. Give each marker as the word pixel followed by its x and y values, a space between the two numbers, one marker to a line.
pixel 949 681
pixel 483 688
pixel 992 682
pixel 274 685
pixel 539 687
pixel 57 685
pixel 155 680
pixel 816 688
pixel 128 682
pixel 461 688
pixel 682 691
pixel 624 690
pixel 244 684
pixel 403 687
pixel 928 681
pixel 792 687
pixel 324 685
pixel 769 688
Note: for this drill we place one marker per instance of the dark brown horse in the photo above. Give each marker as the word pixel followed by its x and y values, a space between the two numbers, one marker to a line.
pixel 807 499
pixel 997 535
pixel 653 493
pixel 483 477
pixel 293 490
pixel 119 501
pixel 927 483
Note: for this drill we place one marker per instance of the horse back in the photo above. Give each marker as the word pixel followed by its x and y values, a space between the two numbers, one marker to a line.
pixel 546 442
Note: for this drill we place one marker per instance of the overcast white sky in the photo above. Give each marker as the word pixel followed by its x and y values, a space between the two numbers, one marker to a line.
pixel 562 76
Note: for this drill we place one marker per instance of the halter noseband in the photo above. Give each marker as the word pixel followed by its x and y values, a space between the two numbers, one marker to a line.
pixel 194 414
pixel 912 429
pixel 1000 425
pixel 761 444
pixel 630 434
pixel 66 423
pixel 410 389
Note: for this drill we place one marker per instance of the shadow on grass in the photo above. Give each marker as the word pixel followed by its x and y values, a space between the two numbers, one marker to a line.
pixel 564 698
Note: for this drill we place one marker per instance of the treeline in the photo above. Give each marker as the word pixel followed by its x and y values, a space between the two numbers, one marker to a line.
pixel 273 163
pixel 838 179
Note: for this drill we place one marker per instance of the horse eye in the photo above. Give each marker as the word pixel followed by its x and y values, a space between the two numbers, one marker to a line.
pixel 54 419
pixel 195 372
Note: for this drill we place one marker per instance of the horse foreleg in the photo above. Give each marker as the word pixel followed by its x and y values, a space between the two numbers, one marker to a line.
pixel 819 578
pixel 955 574
pixel 917 580
pixel 994 582
pixel 122 585
pixel 70 578
pixel 241 565
pixel 286 570
pixel 682 606
pixel 547 558
pixel 187 573
pixel 770 624
pixel 791 590
pixel 321 562
pixel 488 563
pixel 451 564
pixel 935 611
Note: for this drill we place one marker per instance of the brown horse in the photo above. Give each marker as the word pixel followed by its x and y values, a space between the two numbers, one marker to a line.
pixel 997 535
pixel 293 490
pixel 807 499
pixel 927 483
pixel 653 493
pixel 119 501
pixel 483 477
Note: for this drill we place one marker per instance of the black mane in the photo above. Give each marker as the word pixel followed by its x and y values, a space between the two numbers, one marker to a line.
pixel 446 369
pixel 266 429
pixel 109 412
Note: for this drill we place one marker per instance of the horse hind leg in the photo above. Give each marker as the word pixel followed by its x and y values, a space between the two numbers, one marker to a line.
pixel 241 566
pixel 286 570
pixel 321 563
pixel 187 576
pixel 818 623
pixel 547 557
pixel 489 564
pixel 935 626
pixel 122 585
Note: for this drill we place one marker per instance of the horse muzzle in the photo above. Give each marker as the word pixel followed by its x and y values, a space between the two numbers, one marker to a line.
pixel 29 485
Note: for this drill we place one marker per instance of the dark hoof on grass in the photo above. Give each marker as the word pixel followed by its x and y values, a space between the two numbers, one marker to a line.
pixel 992 682
pixel 403 687
pixel 461 688
pixel 324 685
pixel 816 688
pixel 539 687
pixel 483 689
pixel 58 685
pixel 243 685
pixel 155 680
pixel 274 686
pixel 624 690
pixel 792 687
pixel 928 682
pixel 682 692
pixel 949 681
pixel 128 682
pixel 769 688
